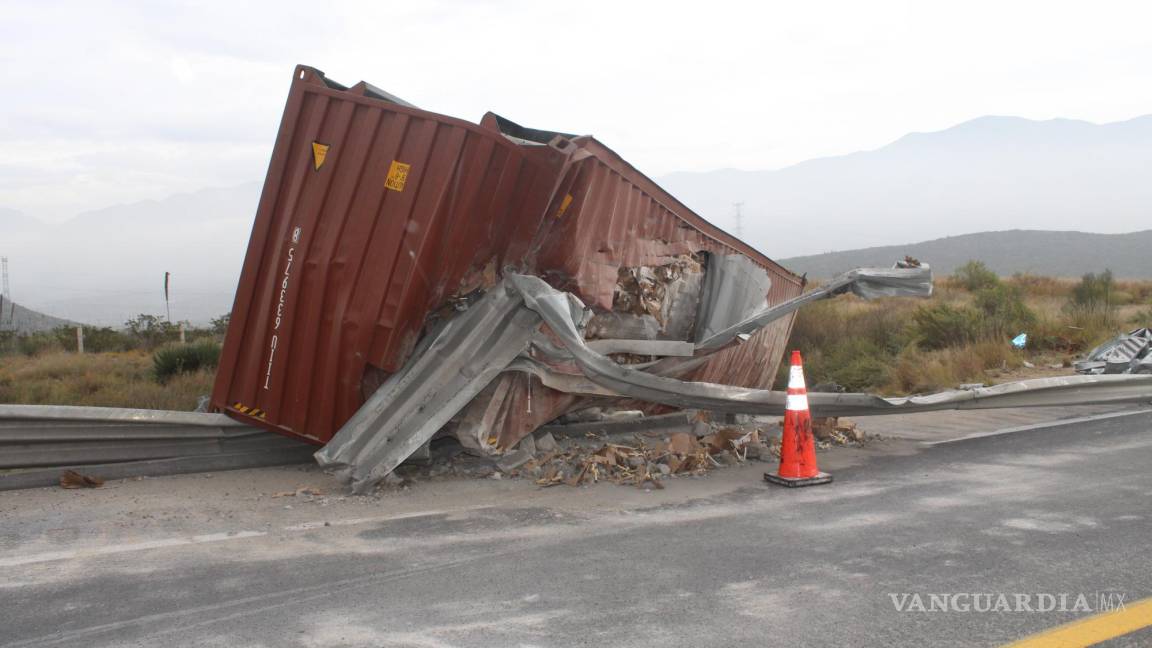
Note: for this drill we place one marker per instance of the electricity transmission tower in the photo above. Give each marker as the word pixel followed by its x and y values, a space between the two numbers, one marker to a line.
pixel 739 219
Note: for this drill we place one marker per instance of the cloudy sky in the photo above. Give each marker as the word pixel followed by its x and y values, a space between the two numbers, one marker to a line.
pixel 106 103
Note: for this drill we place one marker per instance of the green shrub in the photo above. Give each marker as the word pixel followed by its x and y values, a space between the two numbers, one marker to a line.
pixel 219 325
pixel 1003 313
pixel 150 331
pixel 7 342
pixel 942 326
pixel 857 364
pixel 34 344
pixel 177 359
pixel 1094 291
pixel 974 276
pixel 105 339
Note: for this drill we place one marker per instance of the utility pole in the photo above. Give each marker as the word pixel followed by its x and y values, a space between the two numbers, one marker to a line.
pixel 7 294
pixel 739 219
pixel 167 305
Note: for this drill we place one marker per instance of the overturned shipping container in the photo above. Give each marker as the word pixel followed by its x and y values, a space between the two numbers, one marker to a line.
pixel 380 223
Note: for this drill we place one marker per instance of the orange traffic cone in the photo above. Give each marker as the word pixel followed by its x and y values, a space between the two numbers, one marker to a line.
pixel 797 447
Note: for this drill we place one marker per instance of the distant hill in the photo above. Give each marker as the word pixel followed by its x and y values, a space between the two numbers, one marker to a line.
pixel 991 173
pixel 108 265
pixel 1060 254
pixel 14 317
pixel 987 174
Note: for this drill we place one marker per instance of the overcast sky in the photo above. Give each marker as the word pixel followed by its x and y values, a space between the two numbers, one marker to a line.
pixel 104 103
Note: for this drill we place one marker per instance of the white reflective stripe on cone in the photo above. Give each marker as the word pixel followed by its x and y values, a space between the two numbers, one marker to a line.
pixel 797 402
pixel 796 377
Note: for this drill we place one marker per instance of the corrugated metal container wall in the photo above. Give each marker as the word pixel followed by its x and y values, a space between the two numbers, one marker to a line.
pixel 371 215
pixel 606 215
pixel 617 217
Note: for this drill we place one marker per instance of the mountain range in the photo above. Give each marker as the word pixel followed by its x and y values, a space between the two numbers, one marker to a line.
pixel 105 266
pixel 988 174
pixel 14 317
pixel 1061 254
pixel 1061 177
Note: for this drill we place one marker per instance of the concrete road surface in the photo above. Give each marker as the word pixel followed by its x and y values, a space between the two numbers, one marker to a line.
pixel 1058 513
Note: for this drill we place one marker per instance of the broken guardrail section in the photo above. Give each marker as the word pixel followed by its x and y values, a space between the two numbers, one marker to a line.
pixel 526 326
pixel 39 442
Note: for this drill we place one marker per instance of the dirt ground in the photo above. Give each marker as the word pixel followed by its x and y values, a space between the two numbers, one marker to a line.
pixel 259 499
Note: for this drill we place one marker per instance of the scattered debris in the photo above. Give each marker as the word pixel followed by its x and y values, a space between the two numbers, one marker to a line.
pixel 648 459
pixel 1123 354
pixel 73 479
pixel 301 491
pixel 839 430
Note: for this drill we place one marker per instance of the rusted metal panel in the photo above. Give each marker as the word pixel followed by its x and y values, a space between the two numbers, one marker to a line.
pixel 350 253
pixel 377 217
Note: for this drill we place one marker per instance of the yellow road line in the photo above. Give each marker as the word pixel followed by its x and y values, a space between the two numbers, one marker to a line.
pixel 1092 630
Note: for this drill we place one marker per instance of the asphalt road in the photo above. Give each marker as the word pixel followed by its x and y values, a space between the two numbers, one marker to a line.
pixel 1061 510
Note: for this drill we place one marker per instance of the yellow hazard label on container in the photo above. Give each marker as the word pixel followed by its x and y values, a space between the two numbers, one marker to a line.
pixel 319 152
pixel 250 411
pixel 397 175
pixel 564 205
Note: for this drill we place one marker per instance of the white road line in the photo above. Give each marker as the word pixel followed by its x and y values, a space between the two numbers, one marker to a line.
pixel 1037 426
pixel 126 548
pixel 307 526
pixel 53 556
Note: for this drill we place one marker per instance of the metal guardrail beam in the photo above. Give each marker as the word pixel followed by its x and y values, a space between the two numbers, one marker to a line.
pixel 38 443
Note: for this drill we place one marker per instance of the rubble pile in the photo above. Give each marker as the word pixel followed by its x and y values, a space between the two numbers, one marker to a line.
pixel 832 430
pixel 644 463
pixel 644 459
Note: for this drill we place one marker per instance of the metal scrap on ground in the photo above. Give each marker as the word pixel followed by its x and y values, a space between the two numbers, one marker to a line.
pixel 540 332
pixel 1131 353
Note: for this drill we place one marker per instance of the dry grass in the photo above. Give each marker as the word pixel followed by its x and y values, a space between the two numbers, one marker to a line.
pixel 101 379
pixel 878 347
pixel 917 372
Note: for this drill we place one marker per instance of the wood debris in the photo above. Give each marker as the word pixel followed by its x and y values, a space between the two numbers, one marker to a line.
pixel 647 462
pixel 73 479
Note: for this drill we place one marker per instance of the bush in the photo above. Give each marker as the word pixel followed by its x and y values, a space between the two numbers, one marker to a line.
pixel 7 342
pixel 177 359
pixel 942 326
pixel 150 331
pixel 1003 313
pixel 849 341
pixel 219 325
pixel 34 344
pixel 104 339
pixel 1094 291
pixel 974 276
